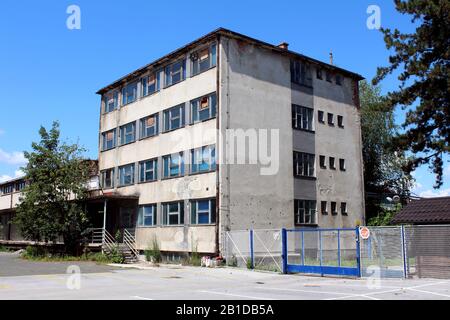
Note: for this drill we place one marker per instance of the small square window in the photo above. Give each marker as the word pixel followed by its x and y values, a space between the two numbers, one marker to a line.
pixel 323 207
pixel 338 79
pixel 332 163
pixel 333 208
pixel 322 162
pixel 319 73
pixel 340 121
pixel 342 164
pixel 328 76
pixel 344 208
pixel 321 116
pixel 330 119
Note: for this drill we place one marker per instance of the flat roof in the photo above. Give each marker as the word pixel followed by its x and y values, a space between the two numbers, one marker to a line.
pixel 232 34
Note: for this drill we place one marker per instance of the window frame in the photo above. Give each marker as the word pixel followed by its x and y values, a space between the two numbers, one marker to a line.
pixel 324 207
pixel 140 223
pixel 114 139
pixel 212 108
pixel 125 93
pixel 310 159
pixel 340 121
pixel 144 83
pixel 330 123
pixel 181 164
pixel 182 115
pixel 169 72
pixel 143 169
pixel 212 164
pixel 322 164
pixel 301 73
pixel 132 175
pixel 342 166
pixel 332 163
pixel 166 213
pixel 344 209
pixel 194 204
pixel 338 79
pixel 311 207
pixel 321 116
pixel 143 127
pixel 105 99
pixel 123 136
pixel 196 63
pixel 103 178
pixel 306 115
pixel 333 210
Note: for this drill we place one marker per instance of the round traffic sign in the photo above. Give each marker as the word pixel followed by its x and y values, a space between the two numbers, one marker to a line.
pixel 364 232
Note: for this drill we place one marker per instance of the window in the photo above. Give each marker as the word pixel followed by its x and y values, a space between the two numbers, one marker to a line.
pixel 203 59
pixel 321 117
pixel 203 211
pixel 6 189
pixel 332 163
pixel 302 118
pixel 149 126
pixel 342 164
pixel 344 208
pixel 20 185
pixel 333 208
pixel 129 93
pixel 107 178
pixel 173 213
pixel 323 207
pixel 126 175
pixel 203 108
pixel 151 83
pixel 330 119
pixel 109 139
pixel 303 164
pixel 173 165
pixel 305 212
pixel 301 73
pixel 174 118
pixel 340 121
pixel 175 72
pixel 338 79
pixel 319 73
pixel 322 162
pixel 128 133
pixel 328 76
pixel 148 170
pixel 203 159
pixel 110 101
pixel 147 216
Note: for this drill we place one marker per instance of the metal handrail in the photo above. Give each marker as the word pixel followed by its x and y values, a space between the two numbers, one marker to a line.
pixel 130 241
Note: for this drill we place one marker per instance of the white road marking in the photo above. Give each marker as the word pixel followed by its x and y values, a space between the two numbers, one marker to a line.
pixel 140 298
pixel 430 292
pixel 235 295
pixel 306 291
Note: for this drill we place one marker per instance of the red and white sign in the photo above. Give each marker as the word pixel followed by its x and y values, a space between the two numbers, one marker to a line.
pixel 364 232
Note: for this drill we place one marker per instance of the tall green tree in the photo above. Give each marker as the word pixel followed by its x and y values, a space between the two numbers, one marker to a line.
pixel 52 204
pixel 383 172
pixel 422 59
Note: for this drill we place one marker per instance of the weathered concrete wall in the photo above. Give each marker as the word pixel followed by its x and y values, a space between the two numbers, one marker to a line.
pixel 335 185
pixel 255 94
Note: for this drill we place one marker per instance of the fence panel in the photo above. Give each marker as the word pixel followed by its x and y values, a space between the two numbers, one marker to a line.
pixel 267 250
pixel 237 248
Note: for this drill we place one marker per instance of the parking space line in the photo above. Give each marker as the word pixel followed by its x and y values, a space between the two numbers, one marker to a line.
pixel 140 298
pixel 306 291
pixel 430 292
pixel 235 295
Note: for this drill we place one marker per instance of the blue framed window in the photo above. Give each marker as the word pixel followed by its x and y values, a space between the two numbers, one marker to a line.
pixel 173 165
pixel 176 72
pixel 148 170
pixel 126 175
pixel 203 211
pixel 109 140
pixel 129 93
pixel 149 126
pixel 203 108
pixel 147 216
pixel 203 159
pixel 203 59
pixel 128 133
pixel 151 84
pixel 173 213
pixel 110 101
pixel 174 118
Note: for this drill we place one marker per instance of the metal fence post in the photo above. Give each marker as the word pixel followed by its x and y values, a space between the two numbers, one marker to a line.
pixel 358 251
pixel 284 251
pixel 252 254
pixel 404 253
pixel 339 247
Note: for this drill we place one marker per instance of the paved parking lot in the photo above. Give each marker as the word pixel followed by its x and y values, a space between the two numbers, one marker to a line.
pixel 179 283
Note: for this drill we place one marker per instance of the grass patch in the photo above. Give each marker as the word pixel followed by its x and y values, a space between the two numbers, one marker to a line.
pixel 4 249
pixel 41 254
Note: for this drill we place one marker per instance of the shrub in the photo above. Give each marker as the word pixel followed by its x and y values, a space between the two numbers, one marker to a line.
pixel 153 253
pixel 35 252
pixel 195 259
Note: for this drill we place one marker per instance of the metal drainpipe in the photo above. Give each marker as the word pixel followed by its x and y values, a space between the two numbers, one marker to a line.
pixel 218 150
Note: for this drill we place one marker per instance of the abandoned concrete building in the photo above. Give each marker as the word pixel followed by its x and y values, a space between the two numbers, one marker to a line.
pixel 164 171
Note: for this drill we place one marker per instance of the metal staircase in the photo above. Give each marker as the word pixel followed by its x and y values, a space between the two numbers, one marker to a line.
pixel 109 244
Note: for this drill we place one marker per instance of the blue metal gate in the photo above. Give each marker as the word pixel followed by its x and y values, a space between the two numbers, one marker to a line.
pixel 321 251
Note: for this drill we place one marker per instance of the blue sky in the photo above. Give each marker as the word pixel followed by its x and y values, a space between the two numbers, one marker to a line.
pixel 49 72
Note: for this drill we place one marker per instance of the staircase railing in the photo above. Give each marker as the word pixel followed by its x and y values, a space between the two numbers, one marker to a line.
pixel 108 240
pixel 129 240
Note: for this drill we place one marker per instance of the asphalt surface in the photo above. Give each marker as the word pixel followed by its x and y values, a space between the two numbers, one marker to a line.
pixel 192 283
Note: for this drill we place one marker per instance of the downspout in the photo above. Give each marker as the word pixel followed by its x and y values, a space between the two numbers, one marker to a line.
pixel 218 147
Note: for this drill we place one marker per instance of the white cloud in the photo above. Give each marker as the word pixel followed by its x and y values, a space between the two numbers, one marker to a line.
pixel 435 193
pixel 15 157
pixel 5 177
